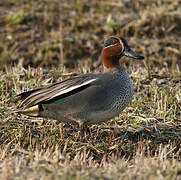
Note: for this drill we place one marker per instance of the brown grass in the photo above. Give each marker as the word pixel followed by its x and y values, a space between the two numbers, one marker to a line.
pixel 60 39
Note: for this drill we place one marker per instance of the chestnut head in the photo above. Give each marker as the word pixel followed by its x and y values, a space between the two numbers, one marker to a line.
pixel 114 48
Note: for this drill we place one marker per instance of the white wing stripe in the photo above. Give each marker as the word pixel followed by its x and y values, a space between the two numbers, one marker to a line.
pixel 63 91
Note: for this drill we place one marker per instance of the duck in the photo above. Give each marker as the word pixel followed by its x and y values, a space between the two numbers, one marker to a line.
pixel 91 98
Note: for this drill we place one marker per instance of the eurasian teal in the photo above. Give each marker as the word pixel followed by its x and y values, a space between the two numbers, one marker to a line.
pixel 88 98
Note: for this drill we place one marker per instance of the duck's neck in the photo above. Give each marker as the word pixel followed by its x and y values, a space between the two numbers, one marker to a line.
pixel 109 61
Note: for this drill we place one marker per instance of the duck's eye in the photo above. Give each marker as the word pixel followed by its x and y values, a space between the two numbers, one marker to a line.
pixel 115 41
pixel 111 41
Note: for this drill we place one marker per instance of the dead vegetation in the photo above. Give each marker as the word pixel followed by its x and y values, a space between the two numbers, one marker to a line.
pixel 46 41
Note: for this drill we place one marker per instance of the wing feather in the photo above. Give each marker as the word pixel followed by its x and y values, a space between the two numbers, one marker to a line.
pixel 57 90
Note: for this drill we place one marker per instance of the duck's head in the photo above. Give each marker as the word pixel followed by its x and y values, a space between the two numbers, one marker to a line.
pixel 114 48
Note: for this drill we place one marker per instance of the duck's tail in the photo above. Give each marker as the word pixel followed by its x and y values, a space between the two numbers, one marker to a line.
pixel 32 111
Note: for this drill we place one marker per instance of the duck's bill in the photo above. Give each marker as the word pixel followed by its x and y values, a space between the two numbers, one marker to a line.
pixel 130 53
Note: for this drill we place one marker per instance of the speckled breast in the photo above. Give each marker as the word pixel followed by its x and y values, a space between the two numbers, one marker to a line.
pixel 123 92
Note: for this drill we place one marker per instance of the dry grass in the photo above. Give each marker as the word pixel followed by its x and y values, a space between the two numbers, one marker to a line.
pixel 144 142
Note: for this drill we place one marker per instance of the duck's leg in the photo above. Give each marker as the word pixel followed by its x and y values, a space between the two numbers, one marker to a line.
pixel 84 130
pixel 61 130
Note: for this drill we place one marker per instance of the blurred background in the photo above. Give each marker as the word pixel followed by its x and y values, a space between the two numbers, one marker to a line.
pixel 46 33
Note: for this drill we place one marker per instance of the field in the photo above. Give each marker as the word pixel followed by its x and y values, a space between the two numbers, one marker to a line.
pixel 45 41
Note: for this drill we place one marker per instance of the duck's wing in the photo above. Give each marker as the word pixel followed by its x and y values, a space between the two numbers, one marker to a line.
pixel 56 92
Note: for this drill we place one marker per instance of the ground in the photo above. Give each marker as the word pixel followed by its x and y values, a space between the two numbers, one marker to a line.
pixel 45 41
